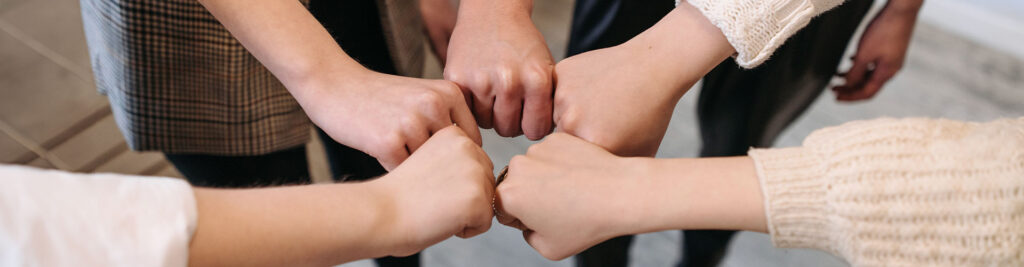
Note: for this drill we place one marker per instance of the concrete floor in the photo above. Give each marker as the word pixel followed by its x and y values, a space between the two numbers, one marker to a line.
pixel 51 117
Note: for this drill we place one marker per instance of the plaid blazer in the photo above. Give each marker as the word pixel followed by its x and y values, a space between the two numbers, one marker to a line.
pixel 178 82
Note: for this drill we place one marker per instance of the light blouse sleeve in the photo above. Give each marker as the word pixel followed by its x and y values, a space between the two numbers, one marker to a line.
pixel 755 28
pixel 54 218
pixel 901 192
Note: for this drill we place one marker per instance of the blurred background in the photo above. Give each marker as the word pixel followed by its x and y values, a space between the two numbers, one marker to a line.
pixel 965 62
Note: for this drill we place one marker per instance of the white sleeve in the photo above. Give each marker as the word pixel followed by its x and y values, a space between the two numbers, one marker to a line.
pixel 755 28
pixel 55 218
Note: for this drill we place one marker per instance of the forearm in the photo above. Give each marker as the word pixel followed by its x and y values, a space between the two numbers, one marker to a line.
pixel 285 37
pixel 702 193
pixel 315 225
pixel 680 49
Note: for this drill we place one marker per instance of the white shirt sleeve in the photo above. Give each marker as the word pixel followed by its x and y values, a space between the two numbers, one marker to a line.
pixel 55 218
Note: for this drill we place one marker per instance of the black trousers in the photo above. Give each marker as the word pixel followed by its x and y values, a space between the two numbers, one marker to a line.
pixel 737 108
pixel 355 25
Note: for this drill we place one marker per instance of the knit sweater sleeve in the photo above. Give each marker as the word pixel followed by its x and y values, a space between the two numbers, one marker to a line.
pixel 755 28
pixel 901 192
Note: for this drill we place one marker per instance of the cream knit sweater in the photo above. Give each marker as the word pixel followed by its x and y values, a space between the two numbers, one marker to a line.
pixel 901 192
pixel 755 28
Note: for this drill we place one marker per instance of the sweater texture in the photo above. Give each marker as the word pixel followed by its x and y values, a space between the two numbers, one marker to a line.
pixel 901 192
pixel 755 28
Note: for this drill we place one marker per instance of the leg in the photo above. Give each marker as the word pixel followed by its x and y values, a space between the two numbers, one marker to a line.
pixel 279 168
pixel 356 26
pixel 741 108
pixel 599 24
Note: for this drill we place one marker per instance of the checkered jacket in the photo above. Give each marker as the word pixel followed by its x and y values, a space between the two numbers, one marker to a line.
pixel 178 82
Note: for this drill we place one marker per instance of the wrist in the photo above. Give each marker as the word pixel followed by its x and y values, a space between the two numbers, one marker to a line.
pixel 641 202
pixel 385 238
pixel 316 85
pixel 680 48
pixel 309 81
pixel 471 10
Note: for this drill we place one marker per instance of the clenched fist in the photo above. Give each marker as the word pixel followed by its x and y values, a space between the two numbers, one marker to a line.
pixel 621 98
pixel 443 189
pixel 606 98
pixel 567 195
pixel 500 60
pixel 386 116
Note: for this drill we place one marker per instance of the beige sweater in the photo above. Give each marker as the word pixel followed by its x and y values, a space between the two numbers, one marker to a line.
pixel 901 192
pixel 755 28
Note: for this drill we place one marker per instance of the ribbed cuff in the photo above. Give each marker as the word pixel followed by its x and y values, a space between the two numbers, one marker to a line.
pixel 755 28
pixel 794 188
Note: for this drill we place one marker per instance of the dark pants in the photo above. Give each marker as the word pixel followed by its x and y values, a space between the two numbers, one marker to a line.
pixel 354 24
pixel 738 108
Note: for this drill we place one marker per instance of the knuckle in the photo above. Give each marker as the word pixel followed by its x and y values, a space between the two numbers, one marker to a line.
pixel 431 101
pixel 480 85
pixel 558 138
pixel 536 78
pixel 536 148
pixel 453 75
pixel 517 162
pixel 450 132
pixel 568 119
pixel 449 89
pixel 391 146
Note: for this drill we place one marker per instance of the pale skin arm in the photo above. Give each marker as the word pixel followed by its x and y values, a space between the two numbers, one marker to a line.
pixel 622 97
pixel 567 194
pixel 416 205
pixel 342 97
pixel 317 225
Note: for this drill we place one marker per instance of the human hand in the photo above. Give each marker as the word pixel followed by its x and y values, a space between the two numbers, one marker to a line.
pixel 443 189
pixel 881 51
pixel 439 22
pixel 604 98
pixel 567 195
pixel 386 116
pixel 503 65
pixel 621 98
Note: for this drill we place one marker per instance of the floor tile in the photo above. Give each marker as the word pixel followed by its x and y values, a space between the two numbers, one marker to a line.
pixel 13 152
pixel 41 163
pixel 93 147
pixel 57 25
pixel 40 98
pixel 170 171
pixel 134 163
pixel 6 5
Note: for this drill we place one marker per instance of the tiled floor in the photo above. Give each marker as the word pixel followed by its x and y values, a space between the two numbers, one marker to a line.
pixel 51 116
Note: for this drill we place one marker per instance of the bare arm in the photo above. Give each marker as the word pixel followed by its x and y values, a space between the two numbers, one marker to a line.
pixel 639 82
pixel 304 226
pixel 416 205
pixel 568 194
pixel 345 99
pixel 285 37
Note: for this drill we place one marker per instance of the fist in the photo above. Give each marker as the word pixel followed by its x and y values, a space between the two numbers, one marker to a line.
pixel 606 98
pixel 444 189
pixel 387 116
pixel 504 68
pixel 566 195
